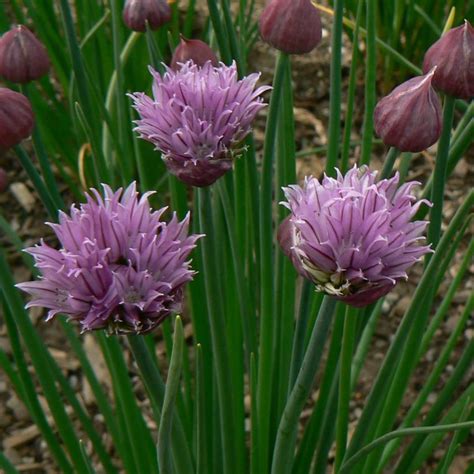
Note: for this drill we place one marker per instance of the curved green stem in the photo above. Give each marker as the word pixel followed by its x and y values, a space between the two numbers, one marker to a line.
pixel 216 322
pixel 156 391
pixel 265 359
pixel 390 159
pixel 286 436
pixel 171 391
pixel 335 92
pixel 345 384
pixel 439 177
pixel 370 83
pixel 351 462
pixel 112 91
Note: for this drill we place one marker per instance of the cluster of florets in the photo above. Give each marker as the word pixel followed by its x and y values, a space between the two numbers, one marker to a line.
pixel 120 267
pixel 198 118
pixel 352 235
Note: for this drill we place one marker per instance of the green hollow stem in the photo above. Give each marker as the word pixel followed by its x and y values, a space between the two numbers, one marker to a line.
pixel 171 391
pixel 37 181
pixel 41 364
pixel 299 335
pixel 408 359
pixel 287 430
pixel 242 292
pixel 351 93
pixel 155 387
pixel 379 389
pixel 125 158
pixel 265 360
pixel 389 162
pixel 29 391
pixel 353 460
pixel 324 407
pixel 112 92
pixel 458 148
pixel 202 463
pixel 43 160
pixel 219 30
pixel 370 83
pixel 6 465
pixel 430 384
pixel 335 92
pixel 216 322
pixel 342 421
pixel 421 447
pixel 439 177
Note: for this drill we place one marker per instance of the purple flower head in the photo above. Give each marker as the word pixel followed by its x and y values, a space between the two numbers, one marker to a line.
pixel 352 236
pixel 119 267
pixel 198 117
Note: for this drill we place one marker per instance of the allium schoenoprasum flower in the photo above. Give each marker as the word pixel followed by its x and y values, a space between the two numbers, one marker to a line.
pixel 120 267
pixel 198 117
pixel 352 235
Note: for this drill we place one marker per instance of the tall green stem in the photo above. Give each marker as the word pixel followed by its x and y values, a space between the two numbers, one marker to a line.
pixel 265 360
pixel 221 360
pixel 389 162
pixel 286 436
pixel 171 391
pixel 345 384
pixel 156 391
pixel 439 177
pixel 370 83
pixel 335 93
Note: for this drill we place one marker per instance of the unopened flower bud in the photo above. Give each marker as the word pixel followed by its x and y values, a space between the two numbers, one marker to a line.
pixel 409 118
pixel 16 118
pixel 23 57
pixel 136 14
pixel 3 180
pixel 195 50
pixel 453 56
pixel 292 26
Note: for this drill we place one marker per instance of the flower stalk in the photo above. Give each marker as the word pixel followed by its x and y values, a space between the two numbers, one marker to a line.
pixel 288 427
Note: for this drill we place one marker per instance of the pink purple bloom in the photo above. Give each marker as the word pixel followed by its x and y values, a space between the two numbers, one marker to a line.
pixel 351 235
pixel 198 117
pixel 120 267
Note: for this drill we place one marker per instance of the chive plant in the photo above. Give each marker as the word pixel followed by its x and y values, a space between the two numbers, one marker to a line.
pixel 282 301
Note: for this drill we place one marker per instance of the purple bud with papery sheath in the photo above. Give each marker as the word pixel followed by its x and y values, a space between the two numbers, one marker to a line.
pixel 410 118
pixel 3 180
pixel 23 58
pixel 136 14
pixel 352 236
pixel 453 56
pixel 16 118
pixel 198 118
pixel 119 267
pixel 195 50
pixel 291 26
